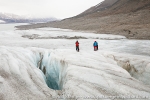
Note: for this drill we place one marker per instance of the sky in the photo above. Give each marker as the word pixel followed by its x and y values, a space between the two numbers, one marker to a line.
pixel 46 8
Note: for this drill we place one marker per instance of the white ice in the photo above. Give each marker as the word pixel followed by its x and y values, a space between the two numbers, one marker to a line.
pixel 55 32
pixel 114 70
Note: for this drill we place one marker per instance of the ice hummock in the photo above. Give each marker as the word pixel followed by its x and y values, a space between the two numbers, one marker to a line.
pixel 75 74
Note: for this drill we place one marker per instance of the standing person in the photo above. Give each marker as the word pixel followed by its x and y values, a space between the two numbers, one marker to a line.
pixel 77 46
pixel 95 45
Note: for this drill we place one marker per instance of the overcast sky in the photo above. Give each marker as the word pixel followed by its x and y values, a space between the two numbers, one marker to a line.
pixel 46 8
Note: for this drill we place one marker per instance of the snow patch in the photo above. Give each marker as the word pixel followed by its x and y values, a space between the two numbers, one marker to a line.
pixel 1 21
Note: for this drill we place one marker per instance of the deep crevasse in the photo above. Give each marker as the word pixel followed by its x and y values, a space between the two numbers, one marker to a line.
pixel 53 69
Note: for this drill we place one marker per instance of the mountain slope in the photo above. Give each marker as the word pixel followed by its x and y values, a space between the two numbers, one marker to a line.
pixel 130 18
pixel 1 21
pixel 99 7
pixel 111 7
pixel 12 18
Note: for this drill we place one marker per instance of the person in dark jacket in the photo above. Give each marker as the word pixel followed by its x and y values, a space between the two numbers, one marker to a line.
pixel 95 45
pixel 77 46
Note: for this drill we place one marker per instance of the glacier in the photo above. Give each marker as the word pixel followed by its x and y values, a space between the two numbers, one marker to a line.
pixel 51 69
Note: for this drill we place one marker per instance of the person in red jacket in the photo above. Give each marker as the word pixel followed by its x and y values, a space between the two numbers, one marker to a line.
pixel 77 46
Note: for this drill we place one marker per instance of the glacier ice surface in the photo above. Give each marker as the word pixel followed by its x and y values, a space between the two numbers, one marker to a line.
pixel 45 69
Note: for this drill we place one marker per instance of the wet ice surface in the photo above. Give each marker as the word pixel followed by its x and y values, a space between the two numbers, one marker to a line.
pixel 137 47
pixel 120 67
pixel 106 42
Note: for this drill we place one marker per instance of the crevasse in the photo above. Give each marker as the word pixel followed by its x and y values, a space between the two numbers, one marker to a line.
pixel 53 69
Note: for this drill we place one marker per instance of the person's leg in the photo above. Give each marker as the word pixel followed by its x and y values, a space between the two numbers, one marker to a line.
pixel 94 48
pixel 78 48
